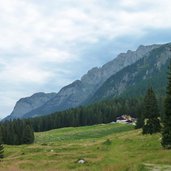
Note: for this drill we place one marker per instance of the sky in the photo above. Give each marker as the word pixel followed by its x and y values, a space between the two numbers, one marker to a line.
pixel 45 45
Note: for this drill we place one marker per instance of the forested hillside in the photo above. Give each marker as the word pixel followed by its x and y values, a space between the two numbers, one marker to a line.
pixel 134 80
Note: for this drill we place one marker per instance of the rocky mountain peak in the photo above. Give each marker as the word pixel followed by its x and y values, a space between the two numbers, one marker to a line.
pixel 27 104
pixel 79 91
pixel 96 76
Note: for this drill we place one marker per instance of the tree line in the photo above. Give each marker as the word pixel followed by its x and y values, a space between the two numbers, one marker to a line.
pixel 150 121
pixel 146 109
pixel 102 112
pixel 16 132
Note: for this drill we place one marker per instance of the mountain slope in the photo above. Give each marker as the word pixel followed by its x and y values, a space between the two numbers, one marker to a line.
pixel 76 93
pixel 79 91
pixel 134 79
pixel 28 104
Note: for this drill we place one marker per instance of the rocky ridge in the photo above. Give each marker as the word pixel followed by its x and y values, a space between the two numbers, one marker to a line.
pixel 79 91
pixel 27 104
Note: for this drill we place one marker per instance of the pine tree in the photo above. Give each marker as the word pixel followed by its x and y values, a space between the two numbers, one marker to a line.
pixel 1 146
pixel 1 138
pixel 140 121
pixel 1 151
pixel 166 131
pixel 151 113
pixel 28 135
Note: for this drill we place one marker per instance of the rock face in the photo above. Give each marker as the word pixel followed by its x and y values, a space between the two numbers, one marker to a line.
pixel 79 91
pixel 28 104
pixel 133 80
pixel 97 76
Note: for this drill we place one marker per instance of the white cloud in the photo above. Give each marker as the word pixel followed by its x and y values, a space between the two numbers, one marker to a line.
pixel 41 41
pixel 54 55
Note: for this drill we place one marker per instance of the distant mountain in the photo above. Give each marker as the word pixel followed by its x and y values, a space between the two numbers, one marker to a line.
pixel 28 104
pixel 81 91
pixel 133 80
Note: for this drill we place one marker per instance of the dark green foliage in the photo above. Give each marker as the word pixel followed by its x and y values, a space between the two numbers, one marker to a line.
pixel 102 112
pixel 1 151
pixel 28 135
pixel 1 146
pixel 150 105
pixel 151 113
pixel 107 142
pixel 14 132
pixel 166 132
pixel 140 121
pixel 1 137
pixel 151 126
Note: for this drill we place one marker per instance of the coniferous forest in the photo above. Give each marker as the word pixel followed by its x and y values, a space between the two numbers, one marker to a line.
pixel 151 113
pixel 148 110
pixel 166 131
pixel 21 131
pixel 16 132
pixel 13 132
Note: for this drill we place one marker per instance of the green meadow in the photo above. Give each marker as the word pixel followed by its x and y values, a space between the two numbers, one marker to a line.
pixel 106 147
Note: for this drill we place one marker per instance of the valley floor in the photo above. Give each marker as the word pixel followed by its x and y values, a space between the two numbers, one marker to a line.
pixel 108 147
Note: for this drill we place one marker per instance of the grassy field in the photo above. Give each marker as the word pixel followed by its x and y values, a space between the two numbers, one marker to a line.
pixel 108 147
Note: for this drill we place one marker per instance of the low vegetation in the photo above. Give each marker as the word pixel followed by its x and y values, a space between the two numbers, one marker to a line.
pixel 103 147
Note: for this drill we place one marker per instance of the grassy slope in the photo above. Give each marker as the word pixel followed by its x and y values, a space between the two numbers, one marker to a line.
pixel 60 149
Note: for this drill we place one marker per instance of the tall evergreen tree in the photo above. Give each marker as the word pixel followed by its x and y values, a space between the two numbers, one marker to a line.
pixel 1 151
pixel 140 121
pixel 28 135
pixel 166 131
pixel 1 136
pixel 151 113
pixel 1 146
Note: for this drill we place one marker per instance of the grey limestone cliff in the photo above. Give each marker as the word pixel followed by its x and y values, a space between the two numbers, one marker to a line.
pixel 134 80
pixel 28 104
pixel 97 76
pixel 79 91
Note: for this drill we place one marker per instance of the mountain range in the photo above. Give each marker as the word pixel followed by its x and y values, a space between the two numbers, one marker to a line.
pixel 128 74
